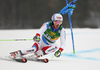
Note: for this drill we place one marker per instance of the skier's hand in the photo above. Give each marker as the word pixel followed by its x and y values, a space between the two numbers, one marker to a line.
pixel 36 38
pixel 58 53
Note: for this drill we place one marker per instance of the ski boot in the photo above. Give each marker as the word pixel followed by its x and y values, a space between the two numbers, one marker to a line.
pixel 39 54
pixel 17 55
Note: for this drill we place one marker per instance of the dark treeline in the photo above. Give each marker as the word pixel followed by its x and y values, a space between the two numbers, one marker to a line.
pixel 24 14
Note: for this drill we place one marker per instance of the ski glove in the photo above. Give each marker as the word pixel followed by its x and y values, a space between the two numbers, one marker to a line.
pixel 58 53
pixel 36 38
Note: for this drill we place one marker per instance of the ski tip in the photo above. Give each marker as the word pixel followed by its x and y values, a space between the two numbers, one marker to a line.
pixel 46 60
pixel 24 60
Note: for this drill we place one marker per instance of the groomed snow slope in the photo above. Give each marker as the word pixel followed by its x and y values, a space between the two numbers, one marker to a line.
pixel 87 47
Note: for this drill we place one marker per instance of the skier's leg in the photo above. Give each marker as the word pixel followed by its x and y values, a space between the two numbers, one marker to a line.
pixel 20 53
pixel 33 49
pixel 45 48
pixel 40 52
pixel 50 49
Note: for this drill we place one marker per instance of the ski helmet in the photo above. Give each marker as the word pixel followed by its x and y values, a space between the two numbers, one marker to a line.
pixel 57 16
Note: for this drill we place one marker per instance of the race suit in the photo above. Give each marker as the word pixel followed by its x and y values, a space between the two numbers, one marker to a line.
pixel 48 37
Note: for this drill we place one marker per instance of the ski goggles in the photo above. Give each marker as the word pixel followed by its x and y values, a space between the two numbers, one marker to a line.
pixel 57 22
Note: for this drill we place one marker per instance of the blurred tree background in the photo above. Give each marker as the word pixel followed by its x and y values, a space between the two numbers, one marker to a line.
pixel 29 14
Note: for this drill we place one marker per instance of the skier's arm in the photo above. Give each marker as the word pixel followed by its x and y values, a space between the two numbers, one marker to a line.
pixel 42 29
pixel 63 43
pixel 62 40
pixel 40 32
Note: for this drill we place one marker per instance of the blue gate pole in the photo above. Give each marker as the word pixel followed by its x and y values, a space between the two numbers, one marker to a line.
pixel 71 29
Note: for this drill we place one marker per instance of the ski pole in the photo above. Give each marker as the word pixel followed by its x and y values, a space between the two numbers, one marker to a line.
pixel 16 39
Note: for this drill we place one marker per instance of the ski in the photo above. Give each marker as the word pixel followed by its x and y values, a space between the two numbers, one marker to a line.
pixel 17 56
pixel 24 60
pixel 45 60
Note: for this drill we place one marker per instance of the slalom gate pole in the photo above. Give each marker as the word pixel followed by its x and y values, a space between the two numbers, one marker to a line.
pixel 71 33
pixel 65 11
pixel 71 28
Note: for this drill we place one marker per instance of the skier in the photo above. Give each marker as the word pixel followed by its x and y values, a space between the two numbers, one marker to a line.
pixel 45 39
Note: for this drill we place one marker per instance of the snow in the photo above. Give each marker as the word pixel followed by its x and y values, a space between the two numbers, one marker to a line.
pixel 87 47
